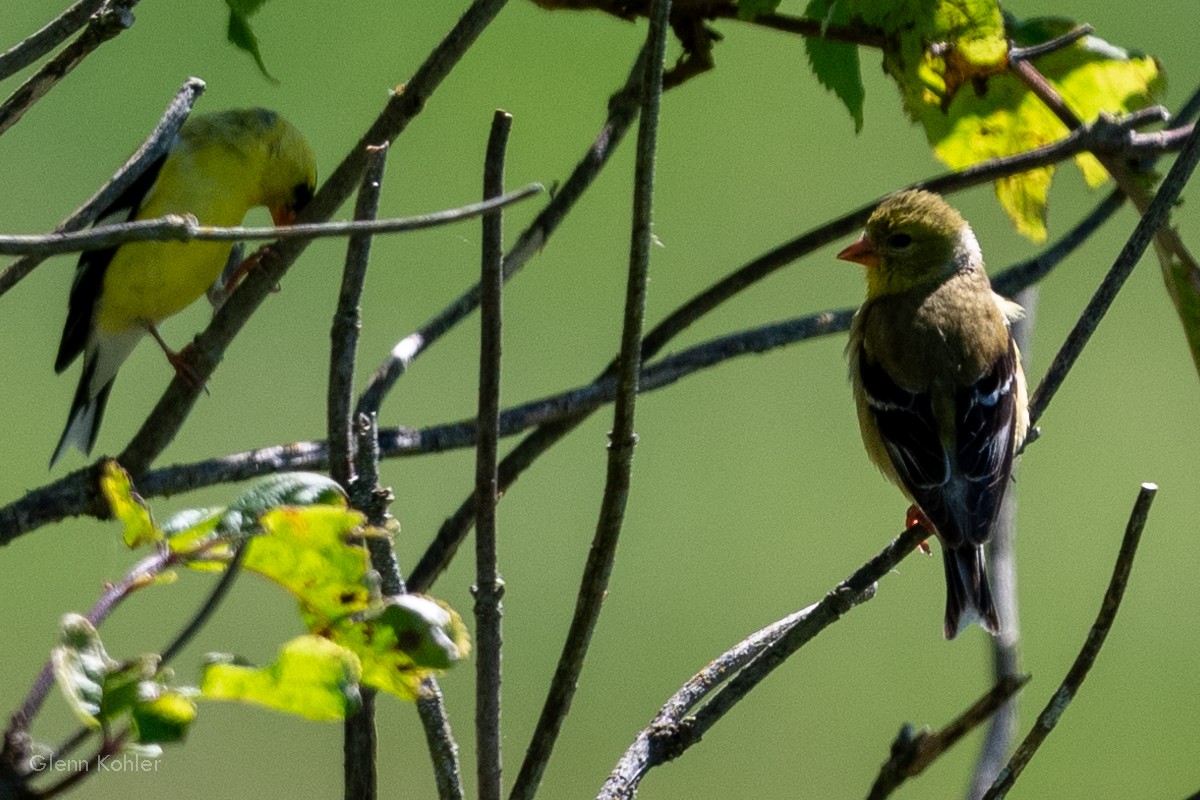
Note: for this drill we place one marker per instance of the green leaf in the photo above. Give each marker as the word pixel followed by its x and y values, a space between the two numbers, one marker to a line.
pixel 749 9
pixel 306 551
pixel 102 691
pixel 162 715
pixel 836 64
pixel 241 35
pixel 402 642
pixel 313 678
pixel 81 666
pixel 192 532
pixel 127 507
pixel 950 58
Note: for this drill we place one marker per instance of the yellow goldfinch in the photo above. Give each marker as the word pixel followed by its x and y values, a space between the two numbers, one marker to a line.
pixel 938 382
pixel 219 167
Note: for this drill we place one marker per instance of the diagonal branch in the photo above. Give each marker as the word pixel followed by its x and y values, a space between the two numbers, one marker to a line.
pixel 155 146
pixel 622 439
pixel 736 672
pixel 113 17
pixel 1075 677
pixel 48 37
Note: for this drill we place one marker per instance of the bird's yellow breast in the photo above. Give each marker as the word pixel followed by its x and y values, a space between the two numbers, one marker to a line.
pixel 147 282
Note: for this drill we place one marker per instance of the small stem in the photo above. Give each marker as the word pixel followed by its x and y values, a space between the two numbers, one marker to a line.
pixel 488 587
pixel 347 324
pixel 1075 677
pixel 442 747
pixel 622 439
pixel 1058 43
pixel 113 17
pixel 48 37
pixel 153 148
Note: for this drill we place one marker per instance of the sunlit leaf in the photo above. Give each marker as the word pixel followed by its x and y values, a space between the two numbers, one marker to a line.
pixel 950 65
pixel 306 550
pixel 407 639
pixel 127 507
pixel 313 678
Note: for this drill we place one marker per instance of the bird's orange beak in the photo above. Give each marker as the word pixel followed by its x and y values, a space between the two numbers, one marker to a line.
pixel 862 252
pixel 283 216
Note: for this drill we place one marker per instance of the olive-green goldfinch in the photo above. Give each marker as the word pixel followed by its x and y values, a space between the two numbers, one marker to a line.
pixel 938 383
pixel 219 167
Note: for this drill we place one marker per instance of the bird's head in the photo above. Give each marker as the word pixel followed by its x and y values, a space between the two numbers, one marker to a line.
pixel 913 238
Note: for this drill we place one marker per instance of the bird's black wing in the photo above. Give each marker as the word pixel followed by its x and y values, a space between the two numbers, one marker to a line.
pixel 986 418
pixel 909 431
pixel 89 273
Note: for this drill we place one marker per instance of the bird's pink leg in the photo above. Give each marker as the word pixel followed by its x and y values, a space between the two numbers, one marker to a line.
pixel 916 516
pixel 177 360
pixel 250 262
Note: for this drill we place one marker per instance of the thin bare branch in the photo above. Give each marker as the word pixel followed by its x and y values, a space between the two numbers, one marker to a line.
pixel 622 110
pixel 359 741
pixel 113 17
pixel 442 747
pixel 48 37
pixel 185 228
pixel 75 494
pixel 1153 219
pixel 737 671
pixel 1058 43
pixel 1091 647
pixel 622 439
pixel 175 404
pixel 155 146
pixel 347 324
pixel 488 587
pixel 913 751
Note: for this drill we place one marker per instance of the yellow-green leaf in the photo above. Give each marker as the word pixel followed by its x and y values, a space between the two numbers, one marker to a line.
pixel 162 715
pixel 306 550
pixel 399 644
pixel 127 507
pixel 313 678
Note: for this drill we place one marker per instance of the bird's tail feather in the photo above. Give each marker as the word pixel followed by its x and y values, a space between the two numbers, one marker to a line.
pixel 83 423
pixel 968 595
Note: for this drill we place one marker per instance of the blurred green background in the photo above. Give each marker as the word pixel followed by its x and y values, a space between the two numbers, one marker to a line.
pixel 751 496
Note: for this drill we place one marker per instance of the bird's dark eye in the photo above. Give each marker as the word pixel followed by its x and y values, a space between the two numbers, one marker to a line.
pixel 899 240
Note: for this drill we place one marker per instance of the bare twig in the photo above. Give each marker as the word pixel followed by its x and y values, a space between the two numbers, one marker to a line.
pixel 155 146
pixel 347 324
pixel 75 494
pixel 740 669
pixel 185 228
pixel 488 587
pixel 1058 43
pixel 359 741
pixel 172 408
pixel 1091 648
pixel 48 37
pixel 802 26
pixel 1153 219
pixel 113 17
pixel 913 751
pixel 138 577
pixel 232 569
pixel 622 438
pixel 442 747
pixel 622 109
